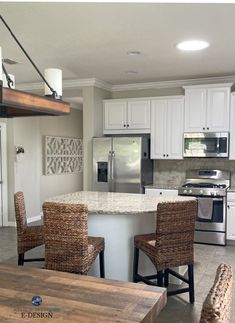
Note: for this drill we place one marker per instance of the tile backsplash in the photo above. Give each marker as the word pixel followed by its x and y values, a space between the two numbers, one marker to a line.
pixel 172 172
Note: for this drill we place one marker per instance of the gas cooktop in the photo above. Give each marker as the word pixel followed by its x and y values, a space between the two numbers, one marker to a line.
pixel 205 183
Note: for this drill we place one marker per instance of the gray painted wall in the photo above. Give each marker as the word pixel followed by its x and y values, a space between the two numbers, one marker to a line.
pixel 93 126
pixel 26 172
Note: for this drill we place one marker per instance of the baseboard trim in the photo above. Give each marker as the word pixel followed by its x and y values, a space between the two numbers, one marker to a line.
pixel 11 224
pixel 29 220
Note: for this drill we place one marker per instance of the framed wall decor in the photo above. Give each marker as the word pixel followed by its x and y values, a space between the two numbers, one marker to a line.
pixel 63 155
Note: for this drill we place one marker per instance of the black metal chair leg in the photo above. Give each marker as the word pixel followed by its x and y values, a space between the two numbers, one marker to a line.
pixel 102 270
pixel 21 259
pixel 135 264
pixel 191 283
pixel 166 278
pixel 160 278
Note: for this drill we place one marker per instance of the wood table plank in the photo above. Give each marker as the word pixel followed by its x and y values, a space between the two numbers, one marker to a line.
pixel 75 298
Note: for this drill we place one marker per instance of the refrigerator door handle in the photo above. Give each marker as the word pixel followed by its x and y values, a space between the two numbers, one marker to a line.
pixel 111 169
pixel 112 164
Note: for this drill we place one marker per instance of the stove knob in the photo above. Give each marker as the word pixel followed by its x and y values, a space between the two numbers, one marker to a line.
pixel 190 191
pixel 201 191
pixel 185 191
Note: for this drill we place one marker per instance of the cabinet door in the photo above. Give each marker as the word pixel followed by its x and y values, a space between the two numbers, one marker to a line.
pixel 217 118
pixel 232 129
pixel 195 110
pixel 231 221
pixel 138 115
pixel 174 130
pixel 115 115
pixel 158 129
pixel 161 192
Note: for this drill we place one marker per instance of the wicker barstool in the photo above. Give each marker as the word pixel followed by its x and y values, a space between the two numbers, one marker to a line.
pixel 67 245
pixel 28 237
pixel 216 307
pixel 171 245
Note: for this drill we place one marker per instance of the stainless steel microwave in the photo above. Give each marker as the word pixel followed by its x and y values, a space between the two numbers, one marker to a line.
pixel 206 144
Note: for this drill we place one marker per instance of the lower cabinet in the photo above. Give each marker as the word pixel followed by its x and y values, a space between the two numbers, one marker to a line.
pixel 231 216
pixel 161 192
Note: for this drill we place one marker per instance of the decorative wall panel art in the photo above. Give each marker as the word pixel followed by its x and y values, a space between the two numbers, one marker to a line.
pixel 63 155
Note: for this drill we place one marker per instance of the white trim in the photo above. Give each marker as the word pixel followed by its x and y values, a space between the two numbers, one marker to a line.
pixel 172 84
pixel 145 98
pixel 3 127
pixel 11 224
pixel 68 84
pixel 206 86
pixel 80 83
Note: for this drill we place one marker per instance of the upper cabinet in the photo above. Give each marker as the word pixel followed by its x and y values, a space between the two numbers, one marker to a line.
pixel 167 127
pixel 207 107
pixel 232 128
pixel 126 116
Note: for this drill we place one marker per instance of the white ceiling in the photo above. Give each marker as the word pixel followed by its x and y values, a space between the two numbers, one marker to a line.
pixel 90 40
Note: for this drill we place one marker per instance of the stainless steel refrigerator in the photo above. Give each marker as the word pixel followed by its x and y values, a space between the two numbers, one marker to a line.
pixel 122 164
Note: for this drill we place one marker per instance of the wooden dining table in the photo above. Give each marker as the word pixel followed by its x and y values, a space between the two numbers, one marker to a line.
pixel 40 295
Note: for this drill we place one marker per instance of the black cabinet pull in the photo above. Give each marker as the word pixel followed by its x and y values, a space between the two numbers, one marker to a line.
pixel 164 155
pixel 167 155
pixel 207 128
pixel 203 128
pixel 160 193
pixel 124 125
pixel 127 125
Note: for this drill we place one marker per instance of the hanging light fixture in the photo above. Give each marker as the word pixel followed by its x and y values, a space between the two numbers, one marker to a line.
pixel 15 103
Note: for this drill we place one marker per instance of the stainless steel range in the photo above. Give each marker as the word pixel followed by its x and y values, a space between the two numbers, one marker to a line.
pixel 210 188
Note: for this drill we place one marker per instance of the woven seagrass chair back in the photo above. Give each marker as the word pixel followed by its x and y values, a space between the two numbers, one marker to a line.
pixel 20 212
pixel 175 233
pixel 216 307
pixel 65 236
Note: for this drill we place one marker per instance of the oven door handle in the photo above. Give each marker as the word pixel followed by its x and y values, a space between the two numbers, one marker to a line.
pixel 217 198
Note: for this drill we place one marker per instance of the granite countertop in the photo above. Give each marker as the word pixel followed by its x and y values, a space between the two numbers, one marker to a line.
pixel 116 203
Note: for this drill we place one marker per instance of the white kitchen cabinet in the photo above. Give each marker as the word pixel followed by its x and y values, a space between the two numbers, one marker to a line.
pixel 161 192
pixel 167 127
pixel 207 107
pixel 232 128
pixel 231 216
pixel 126 116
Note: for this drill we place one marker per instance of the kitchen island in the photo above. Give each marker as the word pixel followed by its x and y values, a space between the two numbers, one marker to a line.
pixel 118 217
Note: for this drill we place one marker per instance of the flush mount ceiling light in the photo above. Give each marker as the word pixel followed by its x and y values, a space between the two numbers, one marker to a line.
pixel 192 45
pixel 14 103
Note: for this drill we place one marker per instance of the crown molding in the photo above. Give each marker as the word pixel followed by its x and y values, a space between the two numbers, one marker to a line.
pixel 173 84
pixel 80 83
pixel 68 84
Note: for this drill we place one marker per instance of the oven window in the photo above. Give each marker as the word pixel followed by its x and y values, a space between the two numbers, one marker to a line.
pixel 217 212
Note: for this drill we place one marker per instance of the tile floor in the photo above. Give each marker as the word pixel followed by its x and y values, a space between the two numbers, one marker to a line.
pixel 178 309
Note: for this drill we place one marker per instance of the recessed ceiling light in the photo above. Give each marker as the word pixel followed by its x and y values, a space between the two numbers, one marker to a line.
pixel 193 45
pixel 131 72
pixel 134 53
